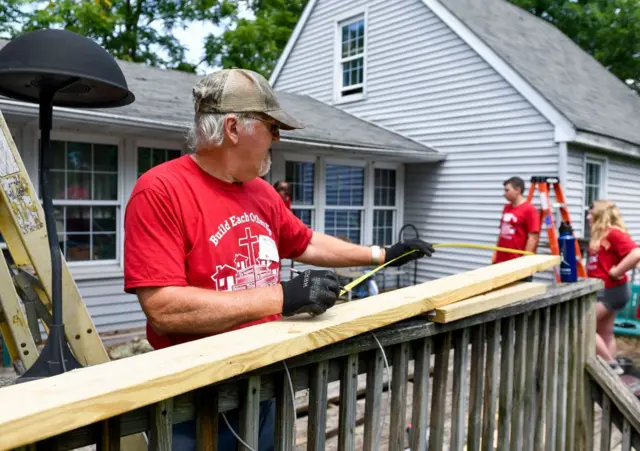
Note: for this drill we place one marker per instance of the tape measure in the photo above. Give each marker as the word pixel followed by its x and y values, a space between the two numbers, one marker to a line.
pixel 347 288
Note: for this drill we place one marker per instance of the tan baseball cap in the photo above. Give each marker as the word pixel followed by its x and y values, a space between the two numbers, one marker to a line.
pixel 240 91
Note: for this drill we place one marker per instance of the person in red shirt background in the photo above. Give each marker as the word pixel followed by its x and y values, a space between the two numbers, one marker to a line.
pixel 612 253
pixel 282 187
pixel 519 223
pixel 204 235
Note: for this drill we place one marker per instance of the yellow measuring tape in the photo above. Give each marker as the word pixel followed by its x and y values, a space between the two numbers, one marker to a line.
pixel 364 277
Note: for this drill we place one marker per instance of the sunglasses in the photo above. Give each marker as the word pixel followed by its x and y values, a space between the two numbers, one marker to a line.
pixel 274 128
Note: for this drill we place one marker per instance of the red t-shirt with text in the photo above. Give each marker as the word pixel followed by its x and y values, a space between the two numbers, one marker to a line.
pixel 516 224
pixel 184 227
pixel 614 247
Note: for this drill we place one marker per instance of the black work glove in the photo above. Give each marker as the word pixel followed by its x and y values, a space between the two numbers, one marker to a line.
pixel 313 291
pixel 422 249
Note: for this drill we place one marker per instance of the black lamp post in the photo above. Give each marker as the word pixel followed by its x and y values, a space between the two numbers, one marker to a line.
pixel 61 68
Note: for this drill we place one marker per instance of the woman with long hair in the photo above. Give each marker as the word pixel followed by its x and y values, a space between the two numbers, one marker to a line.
pixel 612 253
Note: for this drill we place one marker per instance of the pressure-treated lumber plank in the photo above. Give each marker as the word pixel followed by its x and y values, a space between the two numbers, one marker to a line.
pixel 123 385
pixel 488 301
pixel 399 397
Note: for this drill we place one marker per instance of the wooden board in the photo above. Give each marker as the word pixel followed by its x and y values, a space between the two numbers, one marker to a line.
pixel 36 410
pixel 488 301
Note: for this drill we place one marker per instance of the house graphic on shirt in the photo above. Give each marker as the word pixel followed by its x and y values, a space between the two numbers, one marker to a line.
pixel 241 261
pixel 224 278
pixel 250 270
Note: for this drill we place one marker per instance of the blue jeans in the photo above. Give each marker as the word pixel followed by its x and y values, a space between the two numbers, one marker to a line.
pixel 184 434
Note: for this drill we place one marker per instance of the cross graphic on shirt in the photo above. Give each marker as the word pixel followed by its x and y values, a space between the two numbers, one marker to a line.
pixel 249 240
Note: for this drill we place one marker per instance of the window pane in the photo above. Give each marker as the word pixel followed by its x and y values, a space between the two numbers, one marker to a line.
pixel 158 156
pixel 305 216
pixel 172 154
pixel 385 187
pixel 78 247
pixel 301 179
pixel 58 154
pixel 56 179
pixel 383 227
pixel 78 219
pixel 79 185
pixel 105 157
pixel 144 160
pixel 105 187
pixel 104 246
pixel 343 224
pixel 104 219
pixel 78 156
pixel 345 185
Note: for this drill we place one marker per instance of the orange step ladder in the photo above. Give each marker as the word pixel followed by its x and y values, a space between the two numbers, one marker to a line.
pixel 544 184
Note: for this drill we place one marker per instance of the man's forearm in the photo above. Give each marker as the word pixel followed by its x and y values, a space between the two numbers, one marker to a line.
pixel 192 310
pixel 327 251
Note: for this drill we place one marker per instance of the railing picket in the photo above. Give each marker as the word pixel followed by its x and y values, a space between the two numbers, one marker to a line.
pixel 420 394
pixel 563 373
pixel 109 435
pixel 348 399
pixel 520 363
pixel 506 382
pixel 588 350
pixel 441 371
pixel 373 400
pixel 531 377
pixel 207 419
pixel 458 407
pixel 399 397
pixel 605 425
pixel 317 425
pixel 542 378
pixel 552 387
pixel 476 388
pixel 626 435
pixel 575 371
pixel 161 433
pixel 285 416
pixel 491 385
pixel 250 414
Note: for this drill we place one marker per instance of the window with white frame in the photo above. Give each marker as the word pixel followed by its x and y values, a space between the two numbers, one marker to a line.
pixel 149 157
pixel 352 51
pixel 344 200
pixel 85 182
pixel 300 176
pixel 593 185
pixel 384 206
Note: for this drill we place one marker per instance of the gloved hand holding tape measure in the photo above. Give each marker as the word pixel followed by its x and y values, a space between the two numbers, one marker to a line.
pixel 315 291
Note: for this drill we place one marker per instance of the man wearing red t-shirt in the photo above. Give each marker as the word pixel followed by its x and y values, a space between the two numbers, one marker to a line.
pixel 204 234
pixel 519 223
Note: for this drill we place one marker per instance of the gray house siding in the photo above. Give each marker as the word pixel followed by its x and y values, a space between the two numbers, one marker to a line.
pixel 424 82
pixel 111 309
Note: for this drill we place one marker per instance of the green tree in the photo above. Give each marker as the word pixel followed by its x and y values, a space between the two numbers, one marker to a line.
pixel 255 43
pixel 132 30
pixel 609 30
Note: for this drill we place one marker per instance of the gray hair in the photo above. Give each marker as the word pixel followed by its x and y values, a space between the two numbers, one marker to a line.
pixel 207 129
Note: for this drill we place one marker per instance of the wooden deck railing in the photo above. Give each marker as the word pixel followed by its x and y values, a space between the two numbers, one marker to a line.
pixel 618 407
pixel 510 379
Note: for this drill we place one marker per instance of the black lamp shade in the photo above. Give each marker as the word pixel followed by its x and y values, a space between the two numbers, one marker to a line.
pixel 91 76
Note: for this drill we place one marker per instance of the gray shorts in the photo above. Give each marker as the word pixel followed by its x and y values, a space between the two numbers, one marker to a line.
pixel 615 298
